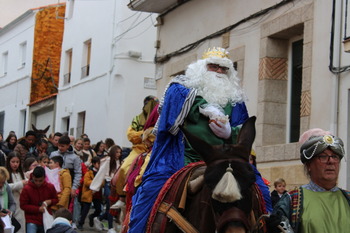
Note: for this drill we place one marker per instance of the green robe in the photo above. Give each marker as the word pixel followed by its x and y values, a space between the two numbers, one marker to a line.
pixel 198 124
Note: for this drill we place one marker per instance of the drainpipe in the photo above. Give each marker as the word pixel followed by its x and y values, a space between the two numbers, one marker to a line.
pixel 336 50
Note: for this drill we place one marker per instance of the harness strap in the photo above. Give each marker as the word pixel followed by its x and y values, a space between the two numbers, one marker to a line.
pixel 178 219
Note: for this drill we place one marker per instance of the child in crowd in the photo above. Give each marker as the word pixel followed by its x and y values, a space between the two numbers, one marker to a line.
pixel 280 189
pixel 65 182
pixel 88 196
pixel 43 160
pixel 28 166
pixel 35 196
pixel 88 152
pixel 16 183
pixel 62 222
pixel 70 161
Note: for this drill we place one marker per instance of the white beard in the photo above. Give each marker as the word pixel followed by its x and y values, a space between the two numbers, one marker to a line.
pixel 214 87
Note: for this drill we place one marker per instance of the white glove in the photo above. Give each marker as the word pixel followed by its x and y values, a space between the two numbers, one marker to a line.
pixel 222 130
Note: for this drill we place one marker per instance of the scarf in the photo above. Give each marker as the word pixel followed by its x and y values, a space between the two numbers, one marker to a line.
pixel 4 197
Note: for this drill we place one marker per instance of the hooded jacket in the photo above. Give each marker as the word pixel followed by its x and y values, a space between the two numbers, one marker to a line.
pixel 73 163
pixel 61 225
pixel 32 197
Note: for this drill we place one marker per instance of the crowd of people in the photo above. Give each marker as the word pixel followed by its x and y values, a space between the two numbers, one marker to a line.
pixel 67 176
pixel 55 173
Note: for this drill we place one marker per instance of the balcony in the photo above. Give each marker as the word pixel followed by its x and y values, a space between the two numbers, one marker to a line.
pixel 66 78
pixel 154 6
pixel 85 71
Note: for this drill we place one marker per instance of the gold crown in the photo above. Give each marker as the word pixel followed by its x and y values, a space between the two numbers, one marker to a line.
pixel 215 52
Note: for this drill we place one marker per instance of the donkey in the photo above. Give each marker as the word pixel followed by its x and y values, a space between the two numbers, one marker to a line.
pixel 40 133
pixel 224 199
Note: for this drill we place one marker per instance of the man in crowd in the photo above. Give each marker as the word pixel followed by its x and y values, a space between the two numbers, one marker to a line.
pixel 53 143
pixel 209 102
pixel 26 145
pixel 320 205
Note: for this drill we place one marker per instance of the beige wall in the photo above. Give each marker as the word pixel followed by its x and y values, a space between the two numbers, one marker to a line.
pixel 261 47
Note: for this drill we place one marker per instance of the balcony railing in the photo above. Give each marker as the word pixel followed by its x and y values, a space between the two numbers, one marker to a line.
pixel 66 78
pixel 85 71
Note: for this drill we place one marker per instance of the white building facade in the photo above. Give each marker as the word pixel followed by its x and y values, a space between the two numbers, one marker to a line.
pixel 16 48
pixel 107 69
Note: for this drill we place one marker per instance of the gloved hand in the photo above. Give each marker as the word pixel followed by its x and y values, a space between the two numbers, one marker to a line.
pixel 272 223
pixel 220 129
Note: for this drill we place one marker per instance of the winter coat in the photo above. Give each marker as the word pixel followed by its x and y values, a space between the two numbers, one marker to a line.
pixel 275 197
pixel 11 205
pixel 61 225
pixel 32 197
pixel 73 163
pixel 66 186
pixel 22 149
pixel 16 188
pixel 87 194
pixel 60 228
pixel 2 158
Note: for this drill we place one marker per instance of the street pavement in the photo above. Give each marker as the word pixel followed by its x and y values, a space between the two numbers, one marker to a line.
pixel 88 229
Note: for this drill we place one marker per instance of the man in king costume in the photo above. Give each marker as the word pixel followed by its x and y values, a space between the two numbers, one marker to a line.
pixel 209 102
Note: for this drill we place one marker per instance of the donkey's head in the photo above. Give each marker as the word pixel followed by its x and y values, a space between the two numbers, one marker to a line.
pixel 229 175
pixel 41 133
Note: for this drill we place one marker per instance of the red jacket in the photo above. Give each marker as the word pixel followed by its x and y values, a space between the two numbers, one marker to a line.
pixel 32 197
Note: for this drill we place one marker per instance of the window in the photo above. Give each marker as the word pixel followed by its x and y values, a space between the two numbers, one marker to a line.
pixel 81 124
pixel 85 70
pixel 22 122
pixel 65 124
pixel 22 54
pixel 70 9
pixel 295 89
pixel 68 67
pixel 4 63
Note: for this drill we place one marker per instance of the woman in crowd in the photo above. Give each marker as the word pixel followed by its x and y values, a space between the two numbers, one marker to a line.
pixel 16 182
pixel 7 202
pixel 100 149
pixel 109 166
pixel 10 143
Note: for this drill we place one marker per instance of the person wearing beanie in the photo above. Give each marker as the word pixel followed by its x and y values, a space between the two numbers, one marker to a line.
pixel 320 205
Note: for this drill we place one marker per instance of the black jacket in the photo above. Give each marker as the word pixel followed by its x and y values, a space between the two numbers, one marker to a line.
pixel 275 198
pixel 60 228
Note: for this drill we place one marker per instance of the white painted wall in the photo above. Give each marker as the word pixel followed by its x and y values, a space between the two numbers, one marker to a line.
pixel 15 85
pixel 113 93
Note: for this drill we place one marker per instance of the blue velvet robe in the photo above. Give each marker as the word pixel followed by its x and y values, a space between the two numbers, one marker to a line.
pixel 168 151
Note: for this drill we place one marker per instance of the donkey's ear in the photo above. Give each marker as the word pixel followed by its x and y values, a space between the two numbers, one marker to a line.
pixel 199 145
pixel 246 135
pixel 46 129
pixel 34 128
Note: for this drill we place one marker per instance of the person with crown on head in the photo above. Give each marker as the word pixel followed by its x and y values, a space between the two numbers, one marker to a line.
pixel 209 102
